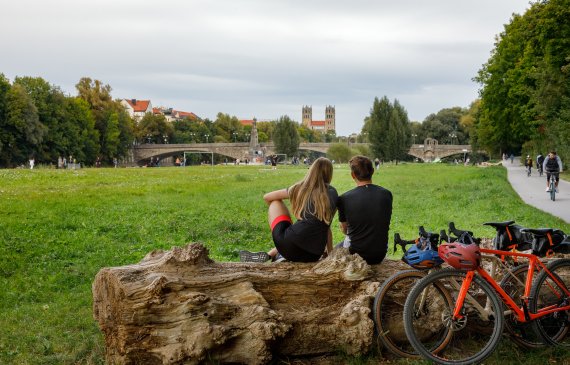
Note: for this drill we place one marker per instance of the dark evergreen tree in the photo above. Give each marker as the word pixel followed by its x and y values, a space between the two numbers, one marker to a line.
pixel 286 137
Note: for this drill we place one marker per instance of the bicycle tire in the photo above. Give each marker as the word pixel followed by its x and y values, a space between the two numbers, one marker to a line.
pixel 553 328
pixel 523 334
pixel 552 191
pixel 387 313
pixel 465 347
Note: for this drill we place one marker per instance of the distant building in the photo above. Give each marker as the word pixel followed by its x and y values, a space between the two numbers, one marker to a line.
pixel 247 122
pixel 329 124
pixel 137 108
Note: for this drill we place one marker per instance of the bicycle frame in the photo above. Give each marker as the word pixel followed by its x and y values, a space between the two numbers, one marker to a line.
pixel 522 313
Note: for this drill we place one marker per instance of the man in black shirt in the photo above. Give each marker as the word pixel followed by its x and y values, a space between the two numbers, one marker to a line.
pixel 365 213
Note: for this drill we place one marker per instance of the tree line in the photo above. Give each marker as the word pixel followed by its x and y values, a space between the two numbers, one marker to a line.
pixel 38 120
pixel 524 104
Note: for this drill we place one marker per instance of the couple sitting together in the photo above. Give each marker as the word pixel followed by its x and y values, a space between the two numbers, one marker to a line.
pixel 364 215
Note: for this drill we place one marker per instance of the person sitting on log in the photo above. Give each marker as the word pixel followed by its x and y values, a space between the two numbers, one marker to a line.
pixel 364 213
pixel 313 203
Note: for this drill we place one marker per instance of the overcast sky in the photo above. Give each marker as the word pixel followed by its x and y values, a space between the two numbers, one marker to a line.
pixel 260 58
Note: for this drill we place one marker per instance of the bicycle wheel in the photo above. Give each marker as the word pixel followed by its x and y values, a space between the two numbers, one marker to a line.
pixel 388 309
pixel 552 191
pixel 473 337
pixel 553 328
pixel 522 333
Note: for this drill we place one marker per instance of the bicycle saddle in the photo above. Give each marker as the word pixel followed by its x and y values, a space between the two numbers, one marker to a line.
pixel 499 224
pixel 538 231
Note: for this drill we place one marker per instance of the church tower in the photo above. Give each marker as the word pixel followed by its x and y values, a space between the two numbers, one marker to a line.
pixel 307 116
pixel 330 119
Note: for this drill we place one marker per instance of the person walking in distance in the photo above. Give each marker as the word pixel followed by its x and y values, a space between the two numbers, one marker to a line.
pixel 553 166
pixel 365 213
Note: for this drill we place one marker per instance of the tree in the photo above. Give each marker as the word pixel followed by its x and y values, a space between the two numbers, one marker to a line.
pixel 339 152
pixel 110 118
pixel 526 83
pixel 22 132
pixel 154 128
pixel 225 126
pixel 4 88
pixel 388 129
pixel 286 137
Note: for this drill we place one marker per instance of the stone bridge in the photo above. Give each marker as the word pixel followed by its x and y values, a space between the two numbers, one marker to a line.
pixel 242 150
pixel 431 150
pixel 428 151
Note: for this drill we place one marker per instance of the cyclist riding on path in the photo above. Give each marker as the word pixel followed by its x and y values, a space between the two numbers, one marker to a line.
pixel 553 166
pixel 539 162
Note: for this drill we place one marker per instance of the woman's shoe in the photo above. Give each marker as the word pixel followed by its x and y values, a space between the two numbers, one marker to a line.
pixel 247 256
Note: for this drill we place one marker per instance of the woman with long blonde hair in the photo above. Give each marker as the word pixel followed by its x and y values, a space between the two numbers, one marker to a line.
pixel 313 204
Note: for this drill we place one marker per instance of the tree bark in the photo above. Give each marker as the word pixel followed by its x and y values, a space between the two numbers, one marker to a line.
pixel 179 306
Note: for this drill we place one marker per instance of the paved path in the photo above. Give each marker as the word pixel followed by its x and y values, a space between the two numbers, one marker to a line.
pixel 531 190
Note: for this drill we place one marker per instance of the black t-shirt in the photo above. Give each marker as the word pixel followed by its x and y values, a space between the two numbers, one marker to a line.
pixel 367 210
pixel 309 233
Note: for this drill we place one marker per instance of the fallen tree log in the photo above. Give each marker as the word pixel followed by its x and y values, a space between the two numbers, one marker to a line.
pixel 179 306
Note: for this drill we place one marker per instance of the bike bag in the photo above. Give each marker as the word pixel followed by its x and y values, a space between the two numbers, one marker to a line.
pixel 541 245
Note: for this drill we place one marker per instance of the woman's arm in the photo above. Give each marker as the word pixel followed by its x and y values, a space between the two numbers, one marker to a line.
pixel 276 195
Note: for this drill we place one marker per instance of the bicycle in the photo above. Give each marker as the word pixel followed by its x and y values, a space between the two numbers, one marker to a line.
pixel 482 303
pixel 509 237
pixel 552 185
pixel 389 301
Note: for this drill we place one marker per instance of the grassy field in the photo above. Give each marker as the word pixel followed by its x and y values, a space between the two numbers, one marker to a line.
pixel 59 228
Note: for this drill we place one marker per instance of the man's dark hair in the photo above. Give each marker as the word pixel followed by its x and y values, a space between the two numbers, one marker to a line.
pixel 553 152
pixel 361 167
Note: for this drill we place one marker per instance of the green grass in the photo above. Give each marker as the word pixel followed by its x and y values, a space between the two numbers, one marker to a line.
pixel 59 228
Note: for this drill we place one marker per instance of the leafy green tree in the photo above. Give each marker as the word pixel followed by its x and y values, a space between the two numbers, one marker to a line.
pixel 339 152
pixel 265 131
pixel 309 135
pixel 22 132
pixel 225 126
pixel 79 137
pixel 111 141
pixel 4 88
pixel 526 82
pixel 286 137
pixel 154 128
pixel 109 116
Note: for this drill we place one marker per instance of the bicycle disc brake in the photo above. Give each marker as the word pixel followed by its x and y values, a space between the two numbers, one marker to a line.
pixel 453 324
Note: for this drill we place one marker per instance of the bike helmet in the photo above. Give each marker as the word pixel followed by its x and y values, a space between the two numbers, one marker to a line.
pixel 461 256
pixel 422 259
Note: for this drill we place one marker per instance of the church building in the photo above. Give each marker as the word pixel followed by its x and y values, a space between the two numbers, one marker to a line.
pixel 320 125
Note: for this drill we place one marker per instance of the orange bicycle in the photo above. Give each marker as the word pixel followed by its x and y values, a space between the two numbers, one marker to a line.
pixel 476 317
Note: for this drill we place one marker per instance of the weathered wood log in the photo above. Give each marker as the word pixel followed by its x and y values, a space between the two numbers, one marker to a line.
pixel 179 306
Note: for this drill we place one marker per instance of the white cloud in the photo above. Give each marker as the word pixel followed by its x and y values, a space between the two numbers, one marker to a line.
pixel 260 58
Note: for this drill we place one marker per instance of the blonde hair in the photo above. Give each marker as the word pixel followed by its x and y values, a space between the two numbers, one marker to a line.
pixel 311 193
